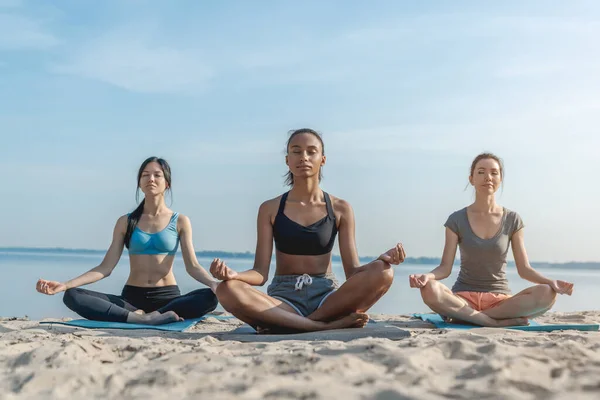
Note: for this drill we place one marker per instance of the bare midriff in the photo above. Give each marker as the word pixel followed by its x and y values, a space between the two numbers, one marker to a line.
pixel 151 270
pixel 289 264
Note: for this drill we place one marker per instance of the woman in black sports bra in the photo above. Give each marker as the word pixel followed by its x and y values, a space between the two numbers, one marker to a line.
pixel 304 222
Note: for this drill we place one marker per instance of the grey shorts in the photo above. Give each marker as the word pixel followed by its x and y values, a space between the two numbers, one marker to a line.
pixel 304 293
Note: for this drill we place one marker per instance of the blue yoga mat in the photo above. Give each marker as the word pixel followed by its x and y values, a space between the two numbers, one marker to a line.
pixel 173 326
pixel 439 323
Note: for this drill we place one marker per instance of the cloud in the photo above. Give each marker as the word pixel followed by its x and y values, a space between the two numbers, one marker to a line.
pixel 139 59
pixel 565 126
pixel 537 46
pixel 19 32
pixel 133 62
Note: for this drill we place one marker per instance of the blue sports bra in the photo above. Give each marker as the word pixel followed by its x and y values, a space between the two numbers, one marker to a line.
pixel 162 242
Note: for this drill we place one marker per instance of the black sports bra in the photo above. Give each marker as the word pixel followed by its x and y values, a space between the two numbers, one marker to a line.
pixel 315 239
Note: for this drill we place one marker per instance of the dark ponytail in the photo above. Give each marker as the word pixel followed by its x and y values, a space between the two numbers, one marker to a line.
pixel 134 217
pixel 289 178
pixel 132 221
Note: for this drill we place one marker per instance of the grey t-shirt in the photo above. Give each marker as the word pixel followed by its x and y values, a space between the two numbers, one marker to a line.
pixel 483 261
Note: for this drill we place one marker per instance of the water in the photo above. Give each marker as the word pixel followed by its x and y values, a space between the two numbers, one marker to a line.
pixel 22 270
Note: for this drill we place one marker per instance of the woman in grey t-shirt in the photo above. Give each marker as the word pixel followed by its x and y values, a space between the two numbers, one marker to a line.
pixel 483 231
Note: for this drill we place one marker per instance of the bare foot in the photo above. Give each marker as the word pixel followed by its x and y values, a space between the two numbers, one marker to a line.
pixel 153 314
pixel 142 312
pixel 164 318
pixel 156 318
pixel 354 320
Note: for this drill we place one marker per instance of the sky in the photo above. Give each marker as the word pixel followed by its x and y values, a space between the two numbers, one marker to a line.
pixel 405 94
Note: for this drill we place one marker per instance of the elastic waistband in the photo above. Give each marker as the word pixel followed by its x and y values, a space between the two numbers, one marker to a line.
pixel 152 291
pixel 294 278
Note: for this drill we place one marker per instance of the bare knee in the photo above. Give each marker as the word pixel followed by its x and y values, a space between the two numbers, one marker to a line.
pixel 545 295
pixel 228 294
pixel 383 274
pixel 432 293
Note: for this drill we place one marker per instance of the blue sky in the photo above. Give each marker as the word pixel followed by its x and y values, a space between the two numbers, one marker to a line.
pixel 405 94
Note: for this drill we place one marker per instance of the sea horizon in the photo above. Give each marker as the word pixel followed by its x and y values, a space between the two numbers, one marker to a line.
pixel 250 255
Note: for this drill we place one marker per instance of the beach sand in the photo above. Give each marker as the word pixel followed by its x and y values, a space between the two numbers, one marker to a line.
pixel 41 361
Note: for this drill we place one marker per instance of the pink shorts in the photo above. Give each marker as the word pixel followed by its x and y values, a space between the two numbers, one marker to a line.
pixel 480 301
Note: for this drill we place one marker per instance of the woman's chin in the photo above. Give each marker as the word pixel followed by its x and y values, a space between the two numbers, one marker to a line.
pixel 487 192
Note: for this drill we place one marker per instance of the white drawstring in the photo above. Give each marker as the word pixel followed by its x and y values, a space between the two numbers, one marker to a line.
pixel 302 280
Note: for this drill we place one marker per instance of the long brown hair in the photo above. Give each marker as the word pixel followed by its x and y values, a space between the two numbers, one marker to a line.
pixel 135 216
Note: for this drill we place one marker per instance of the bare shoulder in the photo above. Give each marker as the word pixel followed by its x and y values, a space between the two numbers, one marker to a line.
pixel 268 209
pixel 121 223
pixel 270 206
pixel 183 219
pixel 340 206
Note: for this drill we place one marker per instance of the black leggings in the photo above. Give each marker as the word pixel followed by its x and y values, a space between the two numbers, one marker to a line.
pixel 109 307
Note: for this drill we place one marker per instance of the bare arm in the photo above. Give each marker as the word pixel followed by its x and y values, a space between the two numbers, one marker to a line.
pixel 347 239
pixel 522 261
pixel 528 273
pixel 97 273
pixel 258 275
pixel 108 264
pixel 192 266
pixel 445 268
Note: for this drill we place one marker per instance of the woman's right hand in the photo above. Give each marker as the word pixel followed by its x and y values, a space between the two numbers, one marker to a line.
pixel 562 287
pixel 419 280
pixel 50 287
pixel 220 271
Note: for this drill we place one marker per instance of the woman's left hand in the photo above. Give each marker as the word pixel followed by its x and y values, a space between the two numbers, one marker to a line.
pixel 395 255
pixel 562 287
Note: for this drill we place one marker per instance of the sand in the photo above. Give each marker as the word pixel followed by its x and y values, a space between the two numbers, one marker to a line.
pixel 41 361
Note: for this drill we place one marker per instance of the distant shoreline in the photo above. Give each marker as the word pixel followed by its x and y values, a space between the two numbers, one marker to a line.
pixel 250 256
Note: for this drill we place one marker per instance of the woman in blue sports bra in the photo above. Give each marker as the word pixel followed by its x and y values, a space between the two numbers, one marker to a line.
pixel 303 223
pixel 152 233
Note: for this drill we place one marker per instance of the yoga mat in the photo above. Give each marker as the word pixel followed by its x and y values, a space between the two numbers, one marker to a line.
pixel 247 334
pixel 533 326
pixel 173 326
